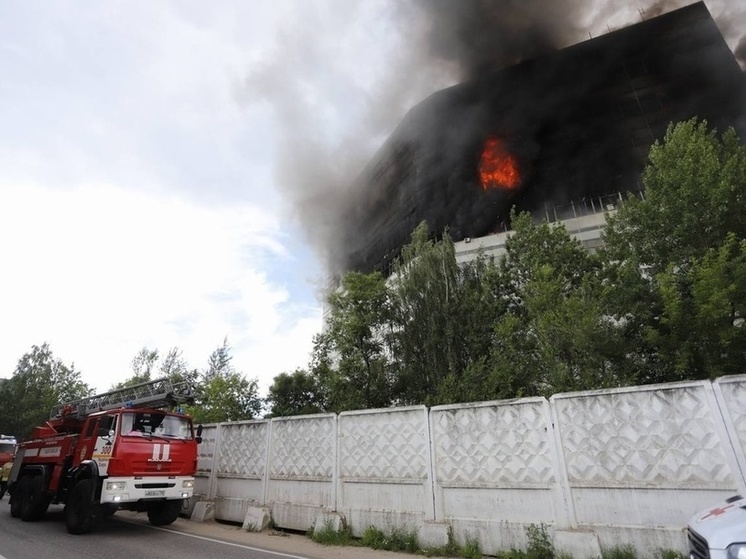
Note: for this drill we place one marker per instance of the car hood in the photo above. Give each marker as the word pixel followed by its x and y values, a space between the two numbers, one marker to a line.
pixel 722 524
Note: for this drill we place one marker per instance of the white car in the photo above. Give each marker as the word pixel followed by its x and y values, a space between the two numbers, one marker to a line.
pixel 719 532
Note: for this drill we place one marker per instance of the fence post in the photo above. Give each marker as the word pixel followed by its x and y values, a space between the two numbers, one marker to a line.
pixel 560 465
pixel 212 485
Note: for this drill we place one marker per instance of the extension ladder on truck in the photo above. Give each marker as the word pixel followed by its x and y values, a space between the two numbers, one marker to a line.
pixel 159 393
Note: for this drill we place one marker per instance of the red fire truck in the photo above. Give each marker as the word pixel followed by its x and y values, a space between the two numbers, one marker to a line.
pixel 7 448
pixel 118 450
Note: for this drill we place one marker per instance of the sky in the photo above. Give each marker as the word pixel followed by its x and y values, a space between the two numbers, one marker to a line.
pixel 167 167
pixel 147 153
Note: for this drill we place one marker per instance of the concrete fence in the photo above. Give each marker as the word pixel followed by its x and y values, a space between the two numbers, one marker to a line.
pixel 599 469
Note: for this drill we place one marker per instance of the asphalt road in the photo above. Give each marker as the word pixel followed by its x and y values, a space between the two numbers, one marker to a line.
pixel 129 535
pixel 116 538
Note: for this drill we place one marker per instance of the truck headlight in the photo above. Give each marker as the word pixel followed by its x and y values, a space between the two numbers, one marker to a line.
pixel 115 485
pixel 736 551
pixel 189 484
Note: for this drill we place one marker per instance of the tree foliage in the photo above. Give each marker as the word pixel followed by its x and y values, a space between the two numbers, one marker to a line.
pixel 222 393
pixel 39 382
pixel 357 339
pixel 674 258
pixel 296 393
pixel 148 365
pixel 426 292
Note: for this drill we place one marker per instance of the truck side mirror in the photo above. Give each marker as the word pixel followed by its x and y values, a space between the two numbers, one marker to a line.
pixel 198 438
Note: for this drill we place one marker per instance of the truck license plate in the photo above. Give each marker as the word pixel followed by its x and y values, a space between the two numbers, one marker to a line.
pixel 155 493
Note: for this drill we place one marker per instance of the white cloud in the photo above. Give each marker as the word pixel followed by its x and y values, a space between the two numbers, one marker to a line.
pixel 101 271
pixel 137 205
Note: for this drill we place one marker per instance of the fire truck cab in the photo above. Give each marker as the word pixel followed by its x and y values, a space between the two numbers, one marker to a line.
pixel 119 450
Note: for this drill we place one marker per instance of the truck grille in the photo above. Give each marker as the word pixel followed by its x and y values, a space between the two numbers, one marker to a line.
pixel 698 548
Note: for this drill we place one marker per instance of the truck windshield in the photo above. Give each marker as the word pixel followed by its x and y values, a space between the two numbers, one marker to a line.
pixel 7 448
pixel 148 424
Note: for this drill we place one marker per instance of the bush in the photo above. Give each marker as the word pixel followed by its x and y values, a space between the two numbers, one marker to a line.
pixel 539 544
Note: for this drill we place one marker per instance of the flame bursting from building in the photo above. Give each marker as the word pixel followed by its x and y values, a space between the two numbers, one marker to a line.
pixel 497 167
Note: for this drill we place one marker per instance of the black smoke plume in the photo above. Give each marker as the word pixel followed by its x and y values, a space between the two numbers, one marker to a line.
pixel 331 117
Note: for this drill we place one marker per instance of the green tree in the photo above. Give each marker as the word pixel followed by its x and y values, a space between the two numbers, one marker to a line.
pixel 425 292
pixel 695 194
pixel 481 302
pixel 39 382
pixel 219 362
pixel 145 363
pixel 664 256
pixel 148 364
pixel 703 306
pixel 296 393
pixel 354 345
pixel 719 296
pixel 175 367
pixel 222 394
pixel 554 335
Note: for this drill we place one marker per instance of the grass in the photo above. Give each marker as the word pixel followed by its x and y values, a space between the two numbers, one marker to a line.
pixel 396 540
pixel 628 552
pixel 539 544
pixel 619 552
pixel 329 536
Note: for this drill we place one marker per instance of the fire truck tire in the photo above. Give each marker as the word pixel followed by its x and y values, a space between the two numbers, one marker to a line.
pixel 82 514
pixel 33 502
pixel 164 513
pixel 15 502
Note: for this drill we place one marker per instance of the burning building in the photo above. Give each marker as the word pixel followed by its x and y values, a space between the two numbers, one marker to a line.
pixel 573 124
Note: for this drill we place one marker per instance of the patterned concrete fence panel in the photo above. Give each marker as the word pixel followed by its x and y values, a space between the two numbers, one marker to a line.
pixel 731 395
pixel 384 469
pixel 302 464
pixel 495 469
pixel 240 471
pixel 640 461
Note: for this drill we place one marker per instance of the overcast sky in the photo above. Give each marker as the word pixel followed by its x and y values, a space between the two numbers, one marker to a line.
pixel 159 161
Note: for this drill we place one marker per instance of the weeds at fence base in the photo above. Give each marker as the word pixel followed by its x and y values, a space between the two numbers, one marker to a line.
pixel 540 544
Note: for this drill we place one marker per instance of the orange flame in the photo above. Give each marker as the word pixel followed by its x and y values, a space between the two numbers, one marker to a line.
pixel 498 168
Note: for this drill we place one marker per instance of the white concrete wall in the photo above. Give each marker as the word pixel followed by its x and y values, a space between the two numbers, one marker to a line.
pixel 640 461
pixel 302 464
pixel 496 470
pixel 384 468
pixel 239 477
pixel 608 467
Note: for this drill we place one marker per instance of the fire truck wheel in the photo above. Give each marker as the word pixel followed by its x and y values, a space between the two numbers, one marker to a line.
pixel 15 501
pixel 164 513
pixel 33 502
pixel 82 514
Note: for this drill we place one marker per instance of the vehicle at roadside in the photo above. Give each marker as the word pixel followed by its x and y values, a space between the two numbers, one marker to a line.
pixel 124 449
pixel 7 448
pixel 719 532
